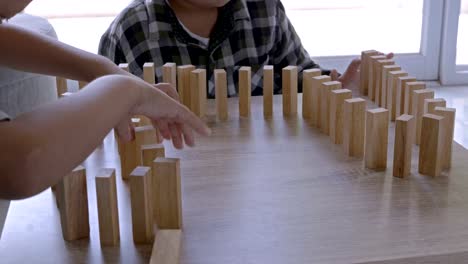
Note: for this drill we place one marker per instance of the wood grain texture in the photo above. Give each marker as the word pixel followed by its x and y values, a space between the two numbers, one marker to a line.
pixel 128 157
pixel 307 92
pixel 376 139
pixel 402 154
pixel 372 80
pixel 221 94
pixel 166 248
pixel 410 87
pixel 431 149
pixel 268 90
pixel 402 94
pixel 150 152
pixel 449 126
pixel 149 73
pixel 419 96
pixel 289 88
pixel 431 104
pixel 385 82
pixel 108 212
pixel 198 90
pixel 325 94
pixel 141 204
pixel 183 84
pixel 364 71
pixel 354 114
pixel 169 71
pixel 392 92
pixel 245 91
pixel 336 114
pixel 316 84
pixel 145 135
pixel 379 64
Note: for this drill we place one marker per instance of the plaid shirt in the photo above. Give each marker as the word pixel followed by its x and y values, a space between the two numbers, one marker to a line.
pixel 247 33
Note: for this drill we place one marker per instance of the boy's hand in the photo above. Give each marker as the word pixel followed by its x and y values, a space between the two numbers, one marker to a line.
pixel 351 77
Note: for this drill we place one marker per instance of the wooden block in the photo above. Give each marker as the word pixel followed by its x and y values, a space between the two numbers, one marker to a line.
pixel 62 86
pixel 325 92
pixel 378 72
pixel 376 139
pixel 307 94
pixel 128 157
pixel 145 135
pixel 289 88
pixel 136 121
pixel 401 94
pixel 385 73
pixel 408 90
pixel 149 73
pixel 151 152
pixel 124 66
pixel 336 114
pixel 268 87
pixel 166 248
pixel 431 149
pixel 82 84
pixel 221 95
pixel 108 212
pixel 364 80
pixel 183 84
pixel 449 115
pixel 245 91
pixel 72 198
pixel 392 92
pixel 372 81
pixel 418 109
pixel 142 209
pixel 166 185
pixel 198 87
pixel 316 84
pixel 431 104
pixel 354 127
pixel 170 74
pixel 404 127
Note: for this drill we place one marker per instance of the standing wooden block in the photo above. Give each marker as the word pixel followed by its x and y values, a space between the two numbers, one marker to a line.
pixel 364 80
pixel 166 248
pixel 449 115
pixel 151 152
pixel 316 85
pixel 372 81
pixel 108 212
pixel 378 72
pixel 170 74
pixel 419 96
pixel 336 114
pixel 354 126
pixel 198 87
pixel 145 135
pixel 325 93
pixel 221 95
pixel 142 209
pixel 404 127
pixel 268 84
pixel 307 93
pixel 385 78
pixel 376 139
pixel 166 185
pixel 401 94
pixel 409 89
pixel 183 84
pixel 392 92
pixel 431 104
pixel 128 158
pixel 431 149
pixel 245 90
pixel 149 73
pixel 289 90
pixel 72 199
pixel 62 86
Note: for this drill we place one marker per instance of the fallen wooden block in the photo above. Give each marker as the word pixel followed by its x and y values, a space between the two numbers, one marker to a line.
pixel 449 115
pixel 336 114
pixel 108 212
pixel 307 92
pixel 166 248
pixel 376 139
pixel 245 91
pixel 221 94
pixel 431 149
pixel 354 126
pixel 142 209
pixel 289 88
pixel 404 127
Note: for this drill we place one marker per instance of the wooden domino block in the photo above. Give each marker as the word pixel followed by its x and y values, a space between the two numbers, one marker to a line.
pixel 354 113
pixel 409 88
pixel 364 80
pixel 316 84
pixel 431 149
pixel 72 199
pixel 169 71
pixel 268 87
pixel 336 114
pixel 141 203
pixel 221 95
pixel 62 86
pixel 166 248
pixel 378 72
pixel 108 212
pixel 325 92
pixel 372 81
pixel 151 152
pixel 307 93
pixel 402 94
pixel 393 97
pixel 449 115
pixel 245 91
pixel 128 157
pixel 385 78
pixel 198 87
pixel 418 109
pixel 145 135
pixel 431 104
pixel 183 84
pixel 376 139
pixel 404 127
pixel 289 88
pixel 149 73
pixel 124 66
pixel 82 84
pixel 136 121
pixel 166 185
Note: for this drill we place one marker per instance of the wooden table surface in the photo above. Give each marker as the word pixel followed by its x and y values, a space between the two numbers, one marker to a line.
pixel 270 191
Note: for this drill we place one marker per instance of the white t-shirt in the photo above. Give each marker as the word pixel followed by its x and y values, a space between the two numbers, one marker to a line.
pixel 3 203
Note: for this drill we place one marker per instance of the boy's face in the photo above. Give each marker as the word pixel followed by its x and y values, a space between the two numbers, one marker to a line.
pixel 207 3
pixel 9 8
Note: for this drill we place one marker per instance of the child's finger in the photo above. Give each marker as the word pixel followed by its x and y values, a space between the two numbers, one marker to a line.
pixel 176 137
pixel 185 116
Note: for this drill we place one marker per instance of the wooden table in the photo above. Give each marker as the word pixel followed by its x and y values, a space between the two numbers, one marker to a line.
pixel 270 191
